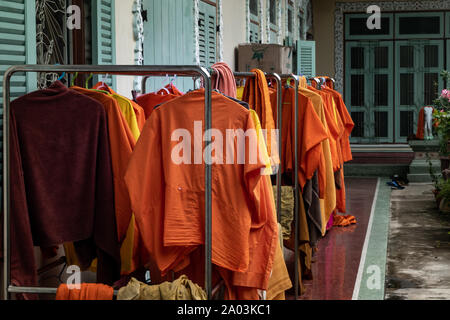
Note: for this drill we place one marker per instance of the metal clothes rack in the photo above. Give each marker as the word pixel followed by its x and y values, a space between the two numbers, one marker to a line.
pixel 130 70
pixel 277 78
pixel 296 186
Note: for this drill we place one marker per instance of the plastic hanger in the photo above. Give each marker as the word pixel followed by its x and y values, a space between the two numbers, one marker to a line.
pixel 87 80
pixel 72 83
pixel 62 75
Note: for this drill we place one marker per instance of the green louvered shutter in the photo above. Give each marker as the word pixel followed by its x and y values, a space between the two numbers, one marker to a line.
pixel 103 36
pixel 17 47
pixel 207 34
pixel 306 58
pixel 254 33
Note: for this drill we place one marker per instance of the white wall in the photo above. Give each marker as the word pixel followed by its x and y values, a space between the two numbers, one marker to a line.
pixel 125 43
pixel 234 30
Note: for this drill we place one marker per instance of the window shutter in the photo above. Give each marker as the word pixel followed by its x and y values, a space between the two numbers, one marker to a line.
pixel 254 33
pixel 207 34
pixel 17 47
pixel 103 35
pixel 17 44
pixel 306 58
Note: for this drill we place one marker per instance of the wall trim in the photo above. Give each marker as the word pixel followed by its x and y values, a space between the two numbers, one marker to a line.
pixel 138 29
pixel 349 7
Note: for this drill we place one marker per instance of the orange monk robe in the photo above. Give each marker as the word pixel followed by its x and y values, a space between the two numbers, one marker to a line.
pixel 122 143
pixel 138 110
pixel 172 229
pixel 257 95
pixel 326 173
pixel 347 121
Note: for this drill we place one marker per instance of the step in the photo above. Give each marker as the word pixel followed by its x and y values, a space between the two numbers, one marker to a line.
pixel 419 178
pixel 423 166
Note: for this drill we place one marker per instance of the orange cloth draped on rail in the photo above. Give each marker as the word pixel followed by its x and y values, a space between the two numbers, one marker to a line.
pixel 256 94
pixel 167 193
pixel 310 135
pixel 149 101
pixel 138 110
pixel 87 291
pixel 224 80
pixel 347 121
pixel 122 143
pixel 326 173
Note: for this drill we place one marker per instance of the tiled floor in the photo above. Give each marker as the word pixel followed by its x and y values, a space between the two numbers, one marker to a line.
pixel 339 253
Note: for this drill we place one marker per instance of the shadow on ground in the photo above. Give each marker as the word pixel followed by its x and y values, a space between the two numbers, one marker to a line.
pixel 418 265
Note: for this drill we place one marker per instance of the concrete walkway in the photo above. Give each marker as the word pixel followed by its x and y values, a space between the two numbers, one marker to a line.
pixel 418 264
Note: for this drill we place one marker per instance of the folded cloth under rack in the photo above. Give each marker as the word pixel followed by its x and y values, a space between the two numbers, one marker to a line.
pixel 287 209
pixel 87 291
pixel 180 289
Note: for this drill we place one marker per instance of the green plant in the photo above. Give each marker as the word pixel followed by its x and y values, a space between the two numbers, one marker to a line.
pixel 441 116
pixel 444 190
pixel 434 177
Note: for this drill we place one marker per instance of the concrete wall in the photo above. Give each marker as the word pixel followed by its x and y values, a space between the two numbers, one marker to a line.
pixel 234 30
pixel 125 43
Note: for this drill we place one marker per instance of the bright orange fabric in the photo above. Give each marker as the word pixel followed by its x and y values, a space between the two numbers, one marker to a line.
pixel 87 291
pixel 327 187
pixel 122 143
pixel 138 110
pixel 168 198
pixel 347 121
pixel 256 94
pixel 311 133
pixel 149 101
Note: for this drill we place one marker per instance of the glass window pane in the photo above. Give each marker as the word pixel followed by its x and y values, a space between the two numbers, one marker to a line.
pixel 254 7
pixel 273 11
pixel 358 119
pixel 357 58
pixel 406 123
pixel 430 88
pixel 357 89
pixel 406 56
pixel 381 90
pixel 381 57
pixel 358 27
pixel 419 25
pixel 407 89
pixel 431 56
pixel 290 20
pixel 381 124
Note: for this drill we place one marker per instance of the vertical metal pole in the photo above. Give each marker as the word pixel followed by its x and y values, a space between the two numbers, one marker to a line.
pixel 6 175
pixel 296 190
pixel 144 84
pixel 208 191
pixel 280 124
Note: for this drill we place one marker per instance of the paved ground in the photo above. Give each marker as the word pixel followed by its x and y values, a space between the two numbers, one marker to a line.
pixel 339 253
pixel 419 247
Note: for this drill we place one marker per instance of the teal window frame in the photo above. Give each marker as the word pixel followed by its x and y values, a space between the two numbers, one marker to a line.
pixel 254 32
pixel 368 37
pixel 419 36
pixel 369 71
pixel 419 71
pixel 290 34
pixel 274 28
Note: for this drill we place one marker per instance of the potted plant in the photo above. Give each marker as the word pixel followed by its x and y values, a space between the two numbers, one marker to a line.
pixel 441 117
pixel 443 196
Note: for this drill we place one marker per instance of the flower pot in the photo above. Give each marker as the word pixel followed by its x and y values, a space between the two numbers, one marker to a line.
pixel 445 206
pixel 445 163
pixel 438 200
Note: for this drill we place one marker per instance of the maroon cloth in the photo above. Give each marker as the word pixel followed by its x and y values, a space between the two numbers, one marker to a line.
pixel 61 182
